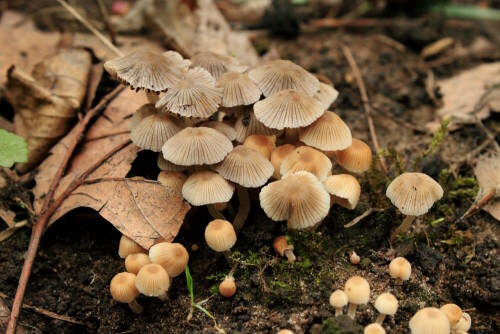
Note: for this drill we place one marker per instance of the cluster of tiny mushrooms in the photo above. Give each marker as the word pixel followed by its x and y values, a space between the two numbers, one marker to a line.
pixel 220 127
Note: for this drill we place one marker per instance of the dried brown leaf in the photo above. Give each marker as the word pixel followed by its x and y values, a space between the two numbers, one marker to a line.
pixel 487 171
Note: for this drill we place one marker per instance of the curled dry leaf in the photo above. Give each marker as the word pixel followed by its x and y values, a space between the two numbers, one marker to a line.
pixel 46 103
pixel 487 171
pixel 143 210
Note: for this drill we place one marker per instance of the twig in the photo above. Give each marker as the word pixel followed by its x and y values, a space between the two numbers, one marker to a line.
pixel 490 195
pixel 49 207
pixel 105 18
pixel 366 103
pixel 398 121
pixel 479 123
pixel 90 27
pixel 53 315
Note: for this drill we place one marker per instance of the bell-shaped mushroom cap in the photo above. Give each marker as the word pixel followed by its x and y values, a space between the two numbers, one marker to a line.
pixel 326 94
pixel 285 331
pixel 327 133
pixel 227 288
pixel 344 190
pixel 246 167
pixel 195 95
pixel 280 245
pixel 247 125
pixel 152 280
pixel 400 268
pixel 134 262
pixel 357 290
pixel 307 159
pixel 128 246
pixel 220 235
pixel 374 329
pixel 429 320
pixel 166 165
pixel 146 70
pixel 141 113
pixel 288 109
pixel 338 299
pixel 386 304
pixel 174 180
pixel 153 131
pixel 171 256
pixel 238 90
pixel 207 187
pixel 453 312
pixel 464 323
pixel 197 146
pixel 262 144
pixel 278 155
pixel 414 193
pixel 123 288
pixel 279 75
pixel 299 198
pixel 357 158
pixel 217 64
pixel 224 128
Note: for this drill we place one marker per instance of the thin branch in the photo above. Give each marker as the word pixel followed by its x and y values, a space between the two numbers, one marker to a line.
pixel 366 102
pixel 105 17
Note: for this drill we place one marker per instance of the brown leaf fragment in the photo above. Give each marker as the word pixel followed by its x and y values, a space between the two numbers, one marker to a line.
pixel 487 171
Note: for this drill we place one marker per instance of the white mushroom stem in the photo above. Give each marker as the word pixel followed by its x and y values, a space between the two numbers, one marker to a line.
pixel 338 311
pixel 290 256
pixel 380 318
pixel 351 312
pixel 243 209
pixel 214 213
pixel 405 226
pixel 136 307
pixel 151 96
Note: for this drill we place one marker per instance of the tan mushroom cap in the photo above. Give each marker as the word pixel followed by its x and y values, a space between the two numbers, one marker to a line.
pixel 227 288
pixel 305 158
pixel 279 75
pixel 299 198
pixel 134 262
pixel 278 155
pixel 326 94
pixel 238 90
pixel 197 146
pixel 166 165
pixel 247 125
pixel 464 324
pixel 123 288
pixel 152 280
pixel 174 180
pixel 327 133
pixel 223 127
pixel 207 187
pixel 400 268
pixel 338 299
pixel 146 70
pixel 217 64
pixel 429 320
pixel 344 190
pixel 285 331
pixel 171 256
pixel 220 235
pixel 262 144
pixel 374 329
pixel 141 113
pixel 414 193
pixel 246 167
pixel 195 95
pixel 357 290
pixel 288 109
pixel 386 304
pixel 453 312
pixel 128 246
pixel 280 245
pixel 357 158
pixel 153 131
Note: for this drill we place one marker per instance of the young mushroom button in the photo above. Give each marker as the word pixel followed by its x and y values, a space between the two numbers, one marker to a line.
pixel 153 281
pixel 357 158
pixel 453 312
pixel 429 320
pixel 357 290
pixel 123 290
pixel 386 304
pixel 400 270
pixel 338 299
pixel 220 236
pixel 227 288
pixel 282 247
pixel 128 246
pixel 374 329
pixel 134 262
pixel 171 256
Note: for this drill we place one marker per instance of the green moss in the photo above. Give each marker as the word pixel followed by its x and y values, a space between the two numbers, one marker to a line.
pixel 437 140
pixel 456 190
pixel 338 325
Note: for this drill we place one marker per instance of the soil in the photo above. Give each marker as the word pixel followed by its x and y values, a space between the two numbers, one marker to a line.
pixel 452 262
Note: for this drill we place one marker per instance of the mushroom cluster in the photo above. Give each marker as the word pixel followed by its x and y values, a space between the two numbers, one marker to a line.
pixel 221 128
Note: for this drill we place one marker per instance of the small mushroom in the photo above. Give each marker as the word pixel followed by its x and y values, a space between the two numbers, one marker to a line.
pixel 174 180
pixel 123 290
pixel 357 290
pixel 307 159
pixel 327 133
pixel 262 144
pixel 171 256
pixel 386 304
pixel 374 329
pixel 154 130
pixel 166 165
pixel 400 270
pixel 220 236
pixel 282 247
pixel 354 258
pixel 326 94
pixel 278 155
pixel 134 262
pixel 453 312
pixel 141 113
pixel 223 127
pixel 429 320
pixel 227 288
pixel 128 246
pixel 338 299
pixel 153 281
pixel 238 90
pixel 464 324
pixel 284 331
pixel 217 64
pixel 344 190
pixel 357 158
